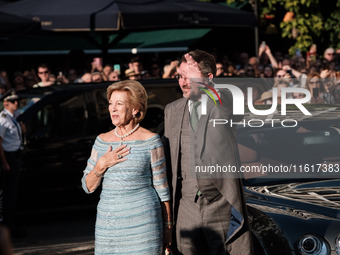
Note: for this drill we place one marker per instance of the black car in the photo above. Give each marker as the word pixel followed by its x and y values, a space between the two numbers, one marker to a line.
pixel 62 122
pixel 292 182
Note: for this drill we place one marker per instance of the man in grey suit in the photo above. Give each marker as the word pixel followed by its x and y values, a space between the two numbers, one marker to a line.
pixel 208 208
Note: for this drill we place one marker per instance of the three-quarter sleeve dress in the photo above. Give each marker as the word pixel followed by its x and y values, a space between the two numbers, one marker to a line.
pixel 129 216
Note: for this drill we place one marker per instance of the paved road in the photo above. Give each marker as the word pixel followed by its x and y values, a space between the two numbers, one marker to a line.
pixel 57 233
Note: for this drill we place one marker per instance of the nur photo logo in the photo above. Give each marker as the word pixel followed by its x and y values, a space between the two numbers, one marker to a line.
pixel 279 97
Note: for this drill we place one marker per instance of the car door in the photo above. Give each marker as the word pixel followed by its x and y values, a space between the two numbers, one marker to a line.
pixel 58 142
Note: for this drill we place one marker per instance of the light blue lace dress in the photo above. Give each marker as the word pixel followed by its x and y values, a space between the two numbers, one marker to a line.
pixel 129 216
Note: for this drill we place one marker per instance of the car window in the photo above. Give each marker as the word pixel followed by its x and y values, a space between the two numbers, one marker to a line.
pixel 158 97
pixel 62 118
pixel 102 104
pixel 163 95
pixel 303 151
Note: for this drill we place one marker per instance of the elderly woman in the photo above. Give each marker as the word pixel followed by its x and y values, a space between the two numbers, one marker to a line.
pixel 133 214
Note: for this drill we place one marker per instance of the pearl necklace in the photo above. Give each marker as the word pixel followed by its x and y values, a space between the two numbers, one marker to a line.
pixel 123 136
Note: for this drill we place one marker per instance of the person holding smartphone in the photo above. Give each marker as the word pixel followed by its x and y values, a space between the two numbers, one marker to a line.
pixel 266 57
pixel 314 85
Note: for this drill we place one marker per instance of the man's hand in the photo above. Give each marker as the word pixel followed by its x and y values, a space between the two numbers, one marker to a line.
pixel 193 67
pixel 325 73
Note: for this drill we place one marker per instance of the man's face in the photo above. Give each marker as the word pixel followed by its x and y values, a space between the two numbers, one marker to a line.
pixel 189 88
pixel 280 75
pixel 329 55
pixel 97 78
pixel 137 67
pixel 219 69
pixel 11 105
pixel 43 74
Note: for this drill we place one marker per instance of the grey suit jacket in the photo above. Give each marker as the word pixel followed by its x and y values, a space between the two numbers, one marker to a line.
pixel 214 146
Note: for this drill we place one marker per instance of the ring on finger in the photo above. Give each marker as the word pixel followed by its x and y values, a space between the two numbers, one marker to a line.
pixel 120 156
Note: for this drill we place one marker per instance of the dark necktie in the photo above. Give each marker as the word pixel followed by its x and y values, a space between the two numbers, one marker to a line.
pixel 194 115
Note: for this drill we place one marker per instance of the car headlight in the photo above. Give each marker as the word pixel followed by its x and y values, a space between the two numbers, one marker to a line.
pixel 312 245
pixel 337 245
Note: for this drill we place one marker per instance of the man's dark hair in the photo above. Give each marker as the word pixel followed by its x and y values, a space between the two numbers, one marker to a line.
pixel 43 65
pixel 136 59
pixel 206 61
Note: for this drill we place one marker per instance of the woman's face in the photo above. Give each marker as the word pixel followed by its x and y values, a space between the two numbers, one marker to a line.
pixel 107 70
pixel 120 108
pixel 314 83
pixel 268 72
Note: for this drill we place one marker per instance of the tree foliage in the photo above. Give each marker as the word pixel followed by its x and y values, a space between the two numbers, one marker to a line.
pixel 332 25
pixel 304 23
pixel 310 20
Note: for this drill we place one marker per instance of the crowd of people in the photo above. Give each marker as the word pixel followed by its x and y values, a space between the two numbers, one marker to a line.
pixel 316 72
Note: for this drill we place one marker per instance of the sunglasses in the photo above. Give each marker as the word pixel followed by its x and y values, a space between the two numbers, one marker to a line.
pixel 45 72
pixel 13 101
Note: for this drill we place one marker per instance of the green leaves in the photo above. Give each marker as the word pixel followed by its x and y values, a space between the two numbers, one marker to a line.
pixel 314 21
pixel 333 27
pixel 304 25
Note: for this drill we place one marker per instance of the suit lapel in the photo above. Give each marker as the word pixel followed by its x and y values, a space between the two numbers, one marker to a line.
pixel 179 111
pixel 176 122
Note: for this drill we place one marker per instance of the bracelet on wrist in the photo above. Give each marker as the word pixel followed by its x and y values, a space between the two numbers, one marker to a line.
pixel 97 174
